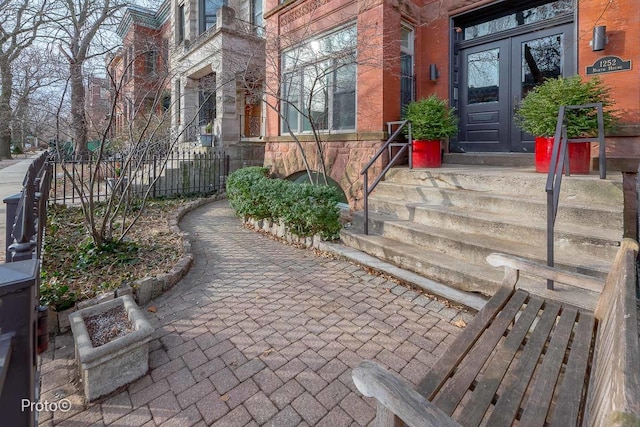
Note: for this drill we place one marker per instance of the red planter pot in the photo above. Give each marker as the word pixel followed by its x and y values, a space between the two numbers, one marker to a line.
pixel 426 154
pixel 579 155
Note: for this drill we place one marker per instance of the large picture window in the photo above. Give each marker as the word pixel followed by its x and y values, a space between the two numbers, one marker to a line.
pixel 319 84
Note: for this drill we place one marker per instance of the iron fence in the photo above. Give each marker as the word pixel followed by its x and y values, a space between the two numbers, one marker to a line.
pixel 23 326
pixel 177 173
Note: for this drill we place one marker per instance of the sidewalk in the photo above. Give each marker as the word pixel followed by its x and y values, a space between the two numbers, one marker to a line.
pixel 11 178
pixel 261 333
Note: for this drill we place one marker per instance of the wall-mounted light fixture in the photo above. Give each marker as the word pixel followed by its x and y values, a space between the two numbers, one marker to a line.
pixel 433 72
pixel 600 38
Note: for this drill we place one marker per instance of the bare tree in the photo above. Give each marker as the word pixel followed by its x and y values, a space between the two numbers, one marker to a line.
pixel 37 69
pixel 144 132
pixel 20 23
pixel 82 35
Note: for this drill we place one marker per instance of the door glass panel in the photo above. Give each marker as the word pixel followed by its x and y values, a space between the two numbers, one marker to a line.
pixel 541 59
pixel 483 76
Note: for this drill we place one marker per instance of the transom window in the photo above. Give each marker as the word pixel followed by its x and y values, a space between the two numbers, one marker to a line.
pixel 319 84
pixel 524 16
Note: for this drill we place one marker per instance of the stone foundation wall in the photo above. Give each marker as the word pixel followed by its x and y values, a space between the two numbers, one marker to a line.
pixel 344 161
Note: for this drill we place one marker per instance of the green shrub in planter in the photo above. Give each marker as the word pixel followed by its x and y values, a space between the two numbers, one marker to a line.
pixel 431 119
pixel 538 112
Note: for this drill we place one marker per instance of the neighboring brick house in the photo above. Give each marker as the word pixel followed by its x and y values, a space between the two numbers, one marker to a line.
pixel 139 73
pixel 481 55
pixel 98 106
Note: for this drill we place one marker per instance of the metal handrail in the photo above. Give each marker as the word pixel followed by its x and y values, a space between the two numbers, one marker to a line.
pixel 560 157
pixel 392 160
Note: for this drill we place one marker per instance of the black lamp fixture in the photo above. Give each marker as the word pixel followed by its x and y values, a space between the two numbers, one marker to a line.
pixel 600 38
pixel 433 72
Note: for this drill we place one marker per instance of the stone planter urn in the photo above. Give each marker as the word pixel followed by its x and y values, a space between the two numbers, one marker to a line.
pixel 105 368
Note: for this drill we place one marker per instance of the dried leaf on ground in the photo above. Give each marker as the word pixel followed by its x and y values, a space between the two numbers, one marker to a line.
pixel 460 323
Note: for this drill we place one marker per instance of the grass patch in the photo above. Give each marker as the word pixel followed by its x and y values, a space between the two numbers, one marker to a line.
pixel 74 269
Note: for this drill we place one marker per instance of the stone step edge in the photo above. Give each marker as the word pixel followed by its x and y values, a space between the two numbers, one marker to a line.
pixel 532 252
pixel 540 199
pixel 467 299
pixel 563 292
pixel 577 231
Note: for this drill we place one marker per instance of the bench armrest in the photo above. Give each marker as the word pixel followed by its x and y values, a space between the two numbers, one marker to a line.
pixel 520 264
pixel 394 394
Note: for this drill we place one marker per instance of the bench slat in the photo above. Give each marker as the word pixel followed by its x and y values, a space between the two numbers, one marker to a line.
pixel 541 391
pixel 572 388
pixel 475 408
pixel 455 388
pixel 506 408
pixel 430 384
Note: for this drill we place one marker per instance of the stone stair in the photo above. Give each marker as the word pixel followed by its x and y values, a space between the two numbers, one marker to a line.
pixel 442 223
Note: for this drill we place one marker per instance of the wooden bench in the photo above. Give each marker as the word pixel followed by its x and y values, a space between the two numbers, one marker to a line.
pixel 527 360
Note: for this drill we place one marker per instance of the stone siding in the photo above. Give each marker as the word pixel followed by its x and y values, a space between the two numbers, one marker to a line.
pixel 344 160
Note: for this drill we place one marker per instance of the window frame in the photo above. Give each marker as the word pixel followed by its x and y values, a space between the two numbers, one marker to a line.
pixel 407 52
pixel 297 71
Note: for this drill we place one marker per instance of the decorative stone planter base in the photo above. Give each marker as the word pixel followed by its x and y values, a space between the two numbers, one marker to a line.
pixel 103 369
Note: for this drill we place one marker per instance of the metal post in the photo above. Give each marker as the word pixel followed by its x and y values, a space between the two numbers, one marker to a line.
pixel 366 202
pixel 11 203
pixel 602 155
pixel 550 223
pixel 18 315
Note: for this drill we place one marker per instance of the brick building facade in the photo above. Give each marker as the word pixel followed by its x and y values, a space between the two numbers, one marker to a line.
pixel 483 56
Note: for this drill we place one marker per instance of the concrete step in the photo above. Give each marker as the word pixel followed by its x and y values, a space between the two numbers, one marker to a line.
pixel 456 272
pixel 582 189
pixel 581 239
pixel 491 159
pixel 475 247
pixel 392 197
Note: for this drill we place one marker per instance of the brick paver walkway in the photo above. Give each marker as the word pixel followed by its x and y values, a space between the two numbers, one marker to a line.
pixel 261 333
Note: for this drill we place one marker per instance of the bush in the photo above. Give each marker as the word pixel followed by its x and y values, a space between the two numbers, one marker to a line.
pixel 538 112
pixel 305 209
pixel 431 119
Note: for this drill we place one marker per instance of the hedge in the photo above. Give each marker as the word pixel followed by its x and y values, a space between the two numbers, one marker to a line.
pixel 305 209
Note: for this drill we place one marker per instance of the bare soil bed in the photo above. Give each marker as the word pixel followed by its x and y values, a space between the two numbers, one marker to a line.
pixel 74 270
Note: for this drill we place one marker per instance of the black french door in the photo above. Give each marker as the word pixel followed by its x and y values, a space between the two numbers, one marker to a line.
pixel 496 75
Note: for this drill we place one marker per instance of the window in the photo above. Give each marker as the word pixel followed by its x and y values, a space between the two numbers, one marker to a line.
pixel 523 16
pixel 208 13
pixel 125 64
pixel 181 21
pixel 406 67
pixel 131 64
pixel 150 61
pixel 207 99
pixel 178 101
pixel 319 84
pixel 256 17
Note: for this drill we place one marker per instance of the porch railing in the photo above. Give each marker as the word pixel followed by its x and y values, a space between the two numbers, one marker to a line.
pixel 393 159
pixel 560 162
pixel 21 332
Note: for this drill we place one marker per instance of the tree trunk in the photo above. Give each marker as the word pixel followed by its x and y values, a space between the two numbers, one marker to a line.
pixel 5 111
pixel 78 117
